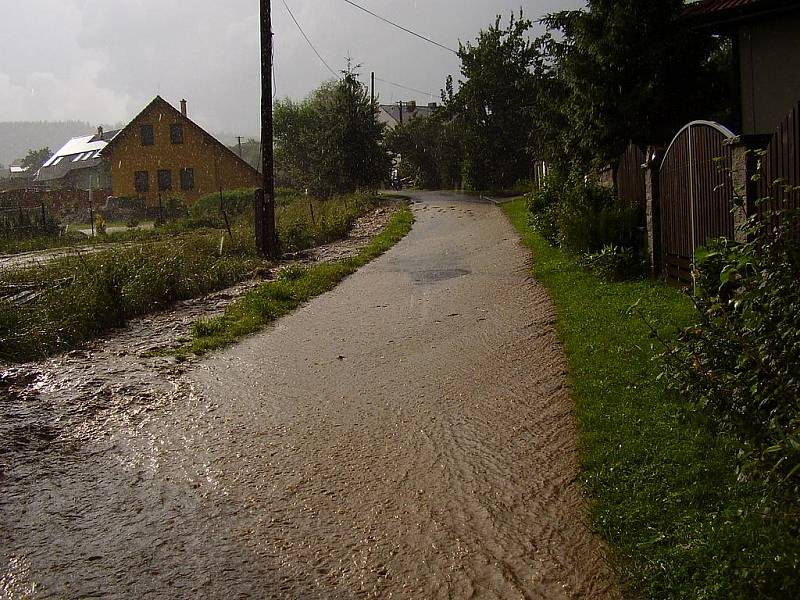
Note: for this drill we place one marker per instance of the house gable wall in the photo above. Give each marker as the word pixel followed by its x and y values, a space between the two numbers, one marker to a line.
pixel 769 71
pixel 214 166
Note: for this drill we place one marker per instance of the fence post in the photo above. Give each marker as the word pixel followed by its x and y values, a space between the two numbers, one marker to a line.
pixel 652 167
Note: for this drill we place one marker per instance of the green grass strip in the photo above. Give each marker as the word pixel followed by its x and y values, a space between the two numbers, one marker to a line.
pixel 661 482
pixel 296 285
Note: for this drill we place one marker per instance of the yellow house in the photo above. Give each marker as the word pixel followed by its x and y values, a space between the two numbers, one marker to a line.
pixel 162 152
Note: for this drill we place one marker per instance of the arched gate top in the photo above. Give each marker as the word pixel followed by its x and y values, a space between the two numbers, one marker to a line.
pixel 727 133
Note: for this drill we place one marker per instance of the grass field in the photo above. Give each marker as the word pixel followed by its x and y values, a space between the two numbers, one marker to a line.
pixel 660 479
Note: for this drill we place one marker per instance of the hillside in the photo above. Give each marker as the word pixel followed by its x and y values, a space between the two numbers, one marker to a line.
pixel 18 137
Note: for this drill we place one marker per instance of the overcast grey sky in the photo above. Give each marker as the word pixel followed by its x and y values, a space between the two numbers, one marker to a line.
pixel 102 60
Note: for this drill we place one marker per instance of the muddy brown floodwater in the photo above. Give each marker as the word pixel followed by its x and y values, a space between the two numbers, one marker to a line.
pixel 408 435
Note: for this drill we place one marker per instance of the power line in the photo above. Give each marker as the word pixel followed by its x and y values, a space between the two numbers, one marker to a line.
pixel 311 45
pixel 319 56
pixel 393 24
pixel 405 87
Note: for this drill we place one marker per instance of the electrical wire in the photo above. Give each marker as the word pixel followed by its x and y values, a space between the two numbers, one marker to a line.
pixel 319 56
pixel 324 62
pixel 393 24
pixel 405 87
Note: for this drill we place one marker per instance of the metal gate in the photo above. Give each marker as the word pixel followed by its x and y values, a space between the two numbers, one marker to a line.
pixel 696 194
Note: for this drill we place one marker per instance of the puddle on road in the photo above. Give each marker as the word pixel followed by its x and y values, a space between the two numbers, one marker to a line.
pixel 436 275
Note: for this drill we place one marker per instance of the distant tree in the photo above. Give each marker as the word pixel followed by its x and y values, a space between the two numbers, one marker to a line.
pixel 493 107
pixel 331 142
pixel 250 152
pixel 36 158
pixel 429 149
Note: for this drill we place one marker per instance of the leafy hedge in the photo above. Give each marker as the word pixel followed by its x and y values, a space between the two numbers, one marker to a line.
pixel 740 362
pixel 587 219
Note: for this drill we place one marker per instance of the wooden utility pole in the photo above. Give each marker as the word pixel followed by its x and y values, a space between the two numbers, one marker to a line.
pixel 266 240
pixel 372 89
pixel 239 139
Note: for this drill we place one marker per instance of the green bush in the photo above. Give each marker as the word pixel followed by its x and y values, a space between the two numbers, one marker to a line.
pixel 543 206
pixel 581 216
pixel 740 362
pixel 615 263
pixel 591 217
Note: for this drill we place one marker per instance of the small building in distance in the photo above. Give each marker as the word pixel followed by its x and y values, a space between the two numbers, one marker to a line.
pixel 16 177
pixel 162 152
pixel 77 165
pixel 765 35
pixel 394 115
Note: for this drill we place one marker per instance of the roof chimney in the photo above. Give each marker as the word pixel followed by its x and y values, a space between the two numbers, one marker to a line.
pixel 183 107
pixel 100 132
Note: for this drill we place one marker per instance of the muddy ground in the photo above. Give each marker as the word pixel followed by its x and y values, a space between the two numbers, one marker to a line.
pixel 408 435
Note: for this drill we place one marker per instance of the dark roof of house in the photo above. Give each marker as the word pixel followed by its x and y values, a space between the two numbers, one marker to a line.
pixel 393 110
pixel 718 12
pixel 158 100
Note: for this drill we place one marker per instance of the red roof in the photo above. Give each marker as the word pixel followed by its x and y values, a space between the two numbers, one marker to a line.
pixel 705 7
pixel 716 12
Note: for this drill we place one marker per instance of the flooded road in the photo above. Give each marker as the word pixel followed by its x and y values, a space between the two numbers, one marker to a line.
pixel 408 435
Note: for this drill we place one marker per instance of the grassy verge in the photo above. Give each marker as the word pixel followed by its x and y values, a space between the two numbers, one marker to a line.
pixel 295 286
pixel 80 297
pixel 661 481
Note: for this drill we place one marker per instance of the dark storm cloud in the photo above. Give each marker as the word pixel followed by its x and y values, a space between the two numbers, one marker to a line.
pixel 101 60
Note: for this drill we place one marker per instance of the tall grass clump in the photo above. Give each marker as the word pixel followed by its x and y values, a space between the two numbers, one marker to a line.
pixel 302 221
pixel 83 296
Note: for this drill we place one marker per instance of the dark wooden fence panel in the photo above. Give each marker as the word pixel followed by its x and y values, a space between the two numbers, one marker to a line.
pixel 779 173
pixel 696 195
pixel 630 178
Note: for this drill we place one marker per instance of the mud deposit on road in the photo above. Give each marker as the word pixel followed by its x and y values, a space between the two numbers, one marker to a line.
pixel 405 436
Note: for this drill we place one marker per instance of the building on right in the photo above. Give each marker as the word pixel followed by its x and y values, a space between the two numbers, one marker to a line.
pixel 765 36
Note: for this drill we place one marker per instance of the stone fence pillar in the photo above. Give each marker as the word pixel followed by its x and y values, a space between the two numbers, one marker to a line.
pixel 652 168
pixel 744 168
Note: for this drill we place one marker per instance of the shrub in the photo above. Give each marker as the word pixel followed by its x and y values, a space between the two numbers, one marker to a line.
pixel 543 206
pixel 740 363
pixel 615 263
pixel 591 217
pixel 582 216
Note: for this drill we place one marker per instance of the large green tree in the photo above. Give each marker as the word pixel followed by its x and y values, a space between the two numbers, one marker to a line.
pixel 331 142
pixel 493 107
pixel 622 70
pixel 430 148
